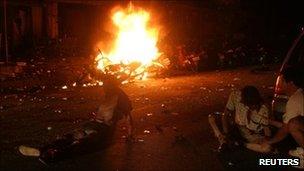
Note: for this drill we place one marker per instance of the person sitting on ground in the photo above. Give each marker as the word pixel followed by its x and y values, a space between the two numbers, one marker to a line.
pixel 244 118
pixel 293 118
pixel 95 133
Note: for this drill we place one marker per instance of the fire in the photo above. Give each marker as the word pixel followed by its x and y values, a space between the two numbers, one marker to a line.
pixel 135 46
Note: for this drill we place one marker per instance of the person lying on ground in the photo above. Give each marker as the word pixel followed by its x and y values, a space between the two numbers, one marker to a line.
pixel 293 118
pixel 94 134
pixel 245 118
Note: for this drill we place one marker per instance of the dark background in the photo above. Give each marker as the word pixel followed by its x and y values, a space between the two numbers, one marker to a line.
pixel 82 24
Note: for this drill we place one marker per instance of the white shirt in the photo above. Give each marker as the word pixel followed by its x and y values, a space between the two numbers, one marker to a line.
pixel 257 120
pixel 294 106
pixel 106 109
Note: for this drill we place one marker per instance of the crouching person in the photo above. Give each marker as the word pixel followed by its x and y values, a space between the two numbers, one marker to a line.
pixel 93 135
pixel 293 118
pixel 245 118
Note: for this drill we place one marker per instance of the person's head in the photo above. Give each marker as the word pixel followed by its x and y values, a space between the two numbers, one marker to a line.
pixel 251 97
pixel 110 85
pixel 293 77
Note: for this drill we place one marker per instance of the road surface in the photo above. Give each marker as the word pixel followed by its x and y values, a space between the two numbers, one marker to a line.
pixel 170 115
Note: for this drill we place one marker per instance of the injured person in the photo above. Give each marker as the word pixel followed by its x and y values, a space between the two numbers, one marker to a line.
pixel 94 134
pixel 245 120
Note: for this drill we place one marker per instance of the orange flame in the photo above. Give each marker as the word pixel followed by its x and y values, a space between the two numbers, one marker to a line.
pixel 135 41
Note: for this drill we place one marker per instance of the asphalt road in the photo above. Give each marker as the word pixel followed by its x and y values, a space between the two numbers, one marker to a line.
pixel 170 115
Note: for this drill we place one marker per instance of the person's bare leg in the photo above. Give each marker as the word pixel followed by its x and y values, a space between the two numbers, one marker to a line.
pixel 29 151
pixel 216 130
pixel 296 129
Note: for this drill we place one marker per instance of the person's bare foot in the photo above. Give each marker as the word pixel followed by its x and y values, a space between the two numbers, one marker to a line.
pixel 29 151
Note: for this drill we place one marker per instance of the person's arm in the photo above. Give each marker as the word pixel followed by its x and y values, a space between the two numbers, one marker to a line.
pixel 280 135
pixel 229 112
pixel 264 117
pixel 130 124
pixel 267 131
pixel 275 123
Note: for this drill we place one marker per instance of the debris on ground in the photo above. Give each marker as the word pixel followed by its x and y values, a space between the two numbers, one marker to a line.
pixel 140 140
pixel 230 85
pixel 203 88
pixel 236 79
pixel 174 128
pixel 58 111
pixel 230 164
pixel 146 131
pixel 164 88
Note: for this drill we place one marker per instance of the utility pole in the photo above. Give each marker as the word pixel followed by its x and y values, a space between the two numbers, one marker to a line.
pixel 5 31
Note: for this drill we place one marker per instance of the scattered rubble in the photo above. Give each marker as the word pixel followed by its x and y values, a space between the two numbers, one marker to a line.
pixel 58 111
pixel 203 88
pixel 140 140
pixel 174 128
pixel 236 79
pixel 174 113
pixel 146 131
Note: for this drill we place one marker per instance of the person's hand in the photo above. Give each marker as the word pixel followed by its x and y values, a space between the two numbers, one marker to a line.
pixel 262 141
pixel 261 148
pixel 265 143
pixel 222 138
pixel 130 136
